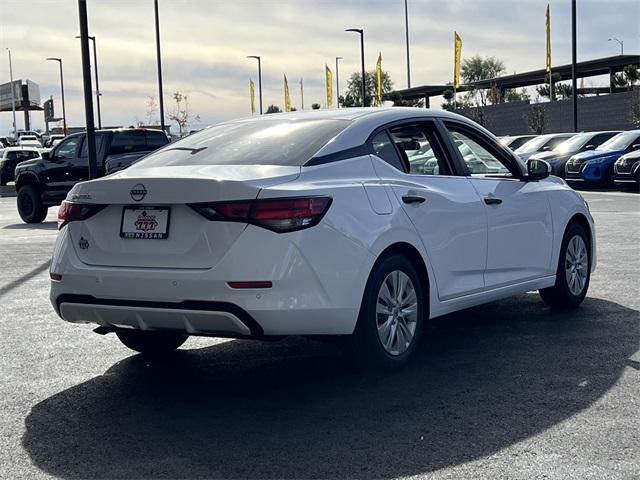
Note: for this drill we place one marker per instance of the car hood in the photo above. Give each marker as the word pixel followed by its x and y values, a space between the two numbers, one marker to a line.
pixel 597 155
pixel 30 163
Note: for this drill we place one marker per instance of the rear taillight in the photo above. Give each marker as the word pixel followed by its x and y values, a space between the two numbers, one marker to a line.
pixel 70 212
pixel 279 215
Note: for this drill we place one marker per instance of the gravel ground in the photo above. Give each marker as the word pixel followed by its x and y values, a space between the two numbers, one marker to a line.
pixel 507 390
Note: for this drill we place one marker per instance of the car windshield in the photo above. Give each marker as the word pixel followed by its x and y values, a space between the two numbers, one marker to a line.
pixel 620 141
pixel 533 145
pixel 573 144
pixel 290 142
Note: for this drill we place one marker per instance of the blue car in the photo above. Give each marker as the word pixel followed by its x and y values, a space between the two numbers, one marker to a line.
pixel 596 166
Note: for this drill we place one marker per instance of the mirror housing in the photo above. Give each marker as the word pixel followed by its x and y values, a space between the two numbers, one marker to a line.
pixel 546 148
pixel 45 155
pixel 590 147
pixel 410 145
pixel 537 170
pixel 635 146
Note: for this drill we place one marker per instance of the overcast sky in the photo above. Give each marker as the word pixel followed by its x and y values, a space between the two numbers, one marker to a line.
pixel 204 45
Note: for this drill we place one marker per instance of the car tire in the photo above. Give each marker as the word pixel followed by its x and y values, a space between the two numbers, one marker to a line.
pixel 3 182
pixel 394 285
pixel 30 205
pixel 151 343
pixel 574 270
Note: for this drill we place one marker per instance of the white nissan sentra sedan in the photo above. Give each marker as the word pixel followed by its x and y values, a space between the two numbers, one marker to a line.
pixel 318 223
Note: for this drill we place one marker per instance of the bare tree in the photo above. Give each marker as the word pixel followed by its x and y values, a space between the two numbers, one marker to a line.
pixel 180 113
pixel 152 110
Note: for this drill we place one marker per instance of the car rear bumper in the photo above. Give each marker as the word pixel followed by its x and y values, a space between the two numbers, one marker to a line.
pixel 307 297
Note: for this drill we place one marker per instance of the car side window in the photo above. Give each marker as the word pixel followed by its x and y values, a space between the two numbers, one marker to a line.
pixel 481 159
pixel 383 148
pixel 67 148
pixel 156 140
pixel 419 145
pixel 84 150
pixel 128 142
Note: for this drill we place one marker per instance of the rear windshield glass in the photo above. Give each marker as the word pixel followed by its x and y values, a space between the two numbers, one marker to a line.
pixel 290 142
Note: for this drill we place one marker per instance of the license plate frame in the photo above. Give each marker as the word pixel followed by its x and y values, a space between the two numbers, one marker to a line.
pixel 144 223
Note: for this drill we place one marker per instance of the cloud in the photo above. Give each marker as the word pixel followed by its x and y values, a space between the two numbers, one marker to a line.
pixel 204 45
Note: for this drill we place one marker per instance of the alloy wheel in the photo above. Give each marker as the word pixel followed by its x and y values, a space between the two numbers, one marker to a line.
pixel 576 265
pixel 396 313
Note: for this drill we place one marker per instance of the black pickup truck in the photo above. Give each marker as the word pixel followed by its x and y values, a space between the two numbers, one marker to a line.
pixel 44 182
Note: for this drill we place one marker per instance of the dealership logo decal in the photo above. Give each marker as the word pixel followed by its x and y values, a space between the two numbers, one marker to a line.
pixel 83 243
pixel 138 192
pixel 146 222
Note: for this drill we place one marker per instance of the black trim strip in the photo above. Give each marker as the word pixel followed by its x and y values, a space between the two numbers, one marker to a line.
pixel 337 156
pixel 200 305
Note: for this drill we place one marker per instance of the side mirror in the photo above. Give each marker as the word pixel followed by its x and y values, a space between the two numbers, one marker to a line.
pixel 590 147
pixel 545 148
pixel 537 170
pixel 635 146
pixel 45 156
pixel 410 145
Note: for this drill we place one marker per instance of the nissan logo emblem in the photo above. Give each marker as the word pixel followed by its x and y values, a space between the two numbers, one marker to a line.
pixel 138 192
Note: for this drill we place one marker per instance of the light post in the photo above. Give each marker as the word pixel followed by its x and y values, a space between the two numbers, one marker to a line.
pixel 86 81
pixel 406 32
pixel 257 57
pixel 95 68
pixel 621 42
pixel 364 80
pixel 159 61
pixel 337 83
pixel 13 96
pixel 574 61
pixel 64 112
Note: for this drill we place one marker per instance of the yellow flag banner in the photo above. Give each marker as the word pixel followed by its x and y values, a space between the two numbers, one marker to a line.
pixel 329 82
pixel 456 59
pixel 548 39
pixel 252 90
pixel 287 97
pixel 379 79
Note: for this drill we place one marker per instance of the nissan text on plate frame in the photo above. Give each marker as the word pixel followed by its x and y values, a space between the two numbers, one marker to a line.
pixel 360 224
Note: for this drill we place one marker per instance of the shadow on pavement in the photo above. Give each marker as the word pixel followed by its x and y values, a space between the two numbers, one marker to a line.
pixel 32 226
pixel 484 379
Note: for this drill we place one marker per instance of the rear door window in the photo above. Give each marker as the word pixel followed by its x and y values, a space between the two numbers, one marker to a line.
pixel 384 149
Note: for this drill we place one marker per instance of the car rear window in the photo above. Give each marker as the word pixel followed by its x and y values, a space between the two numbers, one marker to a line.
pixel 290 142
pixel 22 156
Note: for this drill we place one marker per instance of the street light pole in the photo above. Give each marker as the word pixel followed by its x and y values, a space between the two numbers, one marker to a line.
pixel 621 42
pixel 64 112
pixel 257 57
pixel 574 55
pixel 13 96
pixel 159 61
pixel 364 75
pixel 337 83
pixel 86 80
pixel 95 68
pixel 406 31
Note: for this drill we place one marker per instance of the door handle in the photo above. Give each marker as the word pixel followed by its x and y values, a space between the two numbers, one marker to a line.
pixel 413 199
pixel 492 200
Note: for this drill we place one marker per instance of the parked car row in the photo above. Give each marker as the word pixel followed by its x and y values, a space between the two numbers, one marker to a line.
pixel 586 158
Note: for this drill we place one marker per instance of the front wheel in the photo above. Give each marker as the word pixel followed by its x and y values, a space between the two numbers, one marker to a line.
pixel 151 343
pixel 574 270
pixel 391 316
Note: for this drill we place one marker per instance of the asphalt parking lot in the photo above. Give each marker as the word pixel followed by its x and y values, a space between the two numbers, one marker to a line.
pixel 507 390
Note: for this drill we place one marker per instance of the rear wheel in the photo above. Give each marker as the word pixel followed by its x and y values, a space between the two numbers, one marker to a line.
pixel 151 343
pixel 574 270
pixel 390 321
pixel 30 205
